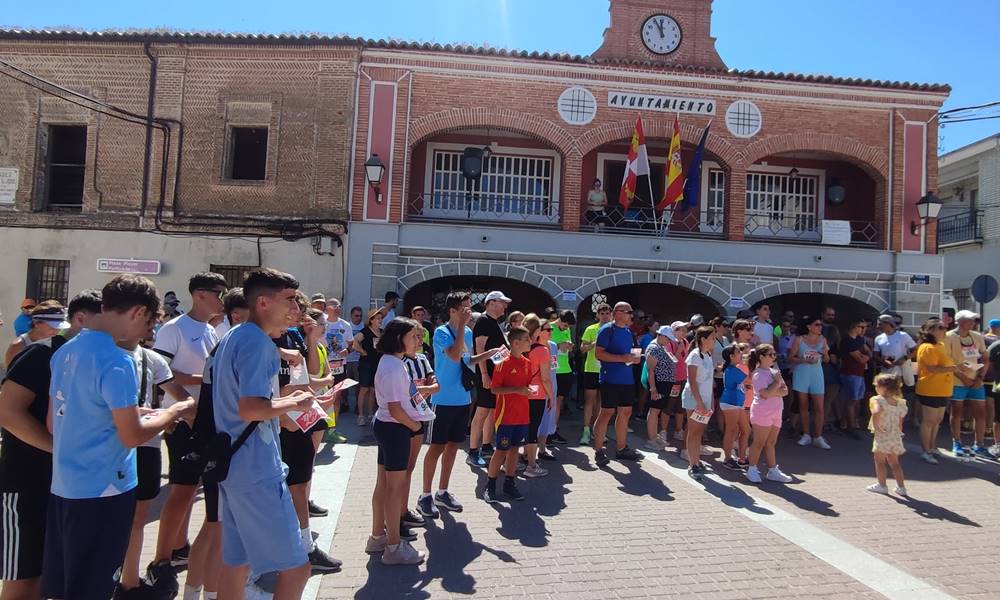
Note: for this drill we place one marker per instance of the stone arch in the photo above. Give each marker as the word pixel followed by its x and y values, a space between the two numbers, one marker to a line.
pixel 872 159
pixel 483 116
pixel 695 284
pixel 480 268
pixel 622 130
pixel 877 299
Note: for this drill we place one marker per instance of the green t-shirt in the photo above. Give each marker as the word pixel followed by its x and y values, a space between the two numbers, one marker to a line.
pixel 592 365
pixel 561 336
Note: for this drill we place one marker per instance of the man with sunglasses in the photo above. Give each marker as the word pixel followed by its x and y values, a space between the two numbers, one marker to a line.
pixel 185 341
pixel 614 349
pixel 23 321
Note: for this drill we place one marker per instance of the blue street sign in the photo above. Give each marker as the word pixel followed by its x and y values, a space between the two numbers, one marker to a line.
pixel 984 289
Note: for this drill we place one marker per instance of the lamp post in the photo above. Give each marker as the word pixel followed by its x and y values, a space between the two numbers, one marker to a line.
pixel 928 208
pixel 374 170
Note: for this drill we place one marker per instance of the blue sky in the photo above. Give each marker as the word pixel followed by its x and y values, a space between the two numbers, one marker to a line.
pixel 911 40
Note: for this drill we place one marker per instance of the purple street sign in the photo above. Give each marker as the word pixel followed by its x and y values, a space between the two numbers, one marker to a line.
pixel 128 265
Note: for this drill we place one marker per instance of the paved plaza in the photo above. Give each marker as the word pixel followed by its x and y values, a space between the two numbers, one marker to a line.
pixel 648 531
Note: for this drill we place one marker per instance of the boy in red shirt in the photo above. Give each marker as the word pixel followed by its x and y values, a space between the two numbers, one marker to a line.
pixel 510 384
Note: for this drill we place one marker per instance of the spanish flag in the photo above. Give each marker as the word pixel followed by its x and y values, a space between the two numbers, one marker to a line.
pixel 636 165
pixel 674 192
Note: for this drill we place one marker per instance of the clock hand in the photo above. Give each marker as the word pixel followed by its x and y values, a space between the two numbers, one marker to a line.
pixel 659 25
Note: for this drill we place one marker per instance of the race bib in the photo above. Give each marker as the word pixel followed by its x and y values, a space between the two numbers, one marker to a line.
pixel 337 367
pixel 701 417
pixel 501 355
pixel 421 408
pixel 675 391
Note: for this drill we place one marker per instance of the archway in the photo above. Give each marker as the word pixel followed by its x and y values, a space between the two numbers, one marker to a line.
pixel 431 294
pixel 848 309
pixel 663 302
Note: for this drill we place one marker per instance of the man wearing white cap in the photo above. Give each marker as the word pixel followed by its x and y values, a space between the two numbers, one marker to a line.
pixel 893 350
pixel 48 319
pixel 487 334
pixel 967 348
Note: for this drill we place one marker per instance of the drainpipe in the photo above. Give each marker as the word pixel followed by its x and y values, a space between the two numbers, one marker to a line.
pixel 148 153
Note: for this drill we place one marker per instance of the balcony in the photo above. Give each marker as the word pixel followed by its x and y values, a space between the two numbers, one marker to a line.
pixel 962 228
pixel 483 209
pixel 807 229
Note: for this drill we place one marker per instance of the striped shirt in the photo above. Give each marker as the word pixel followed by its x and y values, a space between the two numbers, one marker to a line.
pixel 419 367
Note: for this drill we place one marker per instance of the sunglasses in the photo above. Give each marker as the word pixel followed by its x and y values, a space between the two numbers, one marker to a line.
pixel 213 291
pixel 627 312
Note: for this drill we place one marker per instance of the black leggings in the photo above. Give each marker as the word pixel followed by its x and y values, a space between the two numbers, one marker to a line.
pixel 536 409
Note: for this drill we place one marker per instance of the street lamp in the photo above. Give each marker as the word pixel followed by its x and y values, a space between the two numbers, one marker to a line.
pixel 928 208
pixel 374 170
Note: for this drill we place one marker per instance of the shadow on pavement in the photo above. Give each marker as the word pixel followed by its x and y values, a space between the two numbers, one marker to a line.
pixel 929 510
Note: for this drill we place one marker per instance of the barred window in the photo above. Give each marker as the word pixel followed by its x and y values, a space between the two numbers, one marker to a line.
pixel 779 203
pixel 234 274
pixel 512 187
pixel 714 207
pixel 48 280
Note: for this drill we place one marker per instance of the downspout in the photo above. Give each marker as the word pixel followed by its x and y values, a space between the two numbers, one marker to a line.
pixel 888 207
pixel 148 154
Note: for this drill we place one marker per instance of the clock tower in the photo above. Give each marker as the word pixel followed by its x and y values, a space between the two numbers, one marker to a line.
pixel 673 32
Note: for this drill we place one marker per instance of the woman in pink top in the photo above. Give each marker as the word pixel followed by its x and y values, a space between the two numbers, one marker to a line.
pixel 765 412
pixel 542 393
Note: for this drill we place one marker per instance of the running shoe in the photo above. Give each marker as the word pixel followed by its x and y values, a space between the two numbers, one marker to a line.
pixel 535 472
pixel 332 436
pixel 545 455
pixel 413 519
pixel 663 438
pixel 162 577
pixel 753 474
pixel 731 464
pixel 696 472
pixel 475 459
pixel 322 562
pixel 652 446
pixel 957 449
pixel 376 544
pixel 601 458
pixel 486 450
pixel 878 488
pixel 315 510
pixel 981 451
pixel 743 464
pixel 627 453
pixel 929 458
pixel 557 439
pixel 403 554
pixel 900 491
pixel 179 557
pixel 406 534
pixel 510 489
pixel 447 501
pixel 679 436
pixel 805 440
pixel 706 451
pixel 995 450
pixel 820 443
pixel 425 505
pixel 775 474
pixel 490 496
pixel 684 454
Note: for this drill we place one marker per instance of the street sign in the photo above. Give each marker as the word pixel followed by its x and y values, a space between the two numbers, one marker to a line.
pixel 984 289
pixel 920 279
pixel 737 303
pixel 570 296
pixel 128 265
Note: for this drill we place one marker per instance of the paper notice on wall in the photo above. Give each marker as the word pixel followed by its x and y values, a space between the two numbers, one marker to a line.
pixel 306 419
pixel 836 233
pixel 8 184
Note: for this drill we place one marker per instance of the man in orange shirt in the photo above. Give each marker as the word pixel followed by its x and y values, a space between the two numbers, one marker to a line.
pixel 510 383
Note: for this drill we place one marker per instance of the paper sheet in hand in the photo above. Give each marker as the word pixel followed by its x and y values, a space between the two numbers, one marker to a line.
pixel 305 420
pixel 298 375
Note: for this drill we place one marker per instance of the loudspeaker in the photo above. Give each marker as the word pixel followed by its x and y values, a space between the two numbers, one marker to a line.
pixel 472 162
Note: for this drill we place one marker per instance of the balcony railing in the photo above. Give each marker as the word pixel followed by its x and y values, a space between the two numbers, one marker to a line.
pixel 809 230
pixel 649 222
pixel 961 228
pixel 483 208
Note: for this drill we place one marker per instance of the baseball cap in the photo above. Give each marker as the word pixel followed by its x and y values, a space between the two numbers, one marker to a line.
pixel 678 324
pixel 171 298
pixel 966 314
pixel 56 320
pixel 994 323
pixel 697 320
pixel 496 295
pixel 27 302
pixel 891 320
pixel 668 332
pixel 318 297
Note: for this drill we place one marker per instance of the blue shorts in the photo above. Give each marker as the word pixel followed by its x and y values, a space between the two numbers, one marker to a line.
pixel 852 387
pixel 808 379
pixel 510 436
pixel 962 392
pixel 259 528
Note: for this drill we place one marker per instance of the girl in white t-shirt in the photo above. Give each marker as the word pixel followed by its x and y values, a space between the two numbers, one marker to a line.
pixel 697 396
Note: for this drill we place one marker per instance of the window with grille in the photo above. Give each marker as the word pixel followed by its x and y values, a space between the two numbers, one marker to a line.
pixel 713 208
pixel 47 280
pixel 512 187
pixel 234 274
pixel 64 152
pixel 782 204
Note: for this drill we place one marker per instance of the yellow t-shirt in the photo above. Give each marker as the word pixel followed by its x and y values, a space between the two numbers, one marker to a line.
pixel 937 385
pixel 591 365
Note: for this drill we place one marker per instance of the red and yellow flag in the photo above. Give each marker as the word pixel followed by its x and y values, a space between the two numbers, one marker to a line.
pixel 674 191
pixel 636 164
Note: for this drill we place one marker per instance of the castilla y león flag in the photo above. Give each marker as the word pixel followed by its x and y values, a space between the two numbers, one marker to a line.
pixel 637 164
pixel 674 191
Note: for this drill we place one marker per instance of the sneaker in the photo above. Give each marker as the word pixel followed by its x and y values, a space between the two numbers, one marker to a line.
pixel 957 449
pixel 510 488
pixel 403 554
pixel 535 472
pixel 994 450
pixel 361 420
pixel 179 557
pixel 743 464
pixel 163 577
pixel 447 501
pixel 332 436
pixel 696 472
pixel 557 439
pixel 706 451
pixel 406 534
pixel 143 591
pixel 490 496
pixel 820 443
pixel 627 453
pixel 322 562
pixel 684 454
pixel 601 458
pixel 425 506
pixel 775 474
pixel 315 510
pixel 376 544
pixel 929 458
pixel 629 430
pixel 753 474
pixel 678 436
pixel 475 459
pixel 731 464
pixel 652 445
pixel 805 440
pixel 521 468
pixel 486 450
pixel 878 488
pixel 545 455
pixel 663 438
pixel 981 451
pixel 412 519
pixel 900 491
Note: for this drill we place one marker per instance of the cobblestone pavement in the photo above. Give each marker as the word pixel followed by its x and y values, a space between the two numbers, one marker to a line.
pixel 646 531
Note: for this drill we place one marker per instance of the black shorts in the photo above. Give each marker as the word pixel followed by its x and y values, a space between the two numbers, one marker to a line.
pixel 179 445
pixel 674 405
pixel 933 401
pixel 485 398
pixel 211 492
pixel 591 381
pixel 298 452
pixel 536 409
pixel 23 529
pixel 393 445
pixel 616 395
pixel 663 388
pixel 85 544
pixel 449 425
pixel 366 373
pixel 996 406
pixel 148 466
pixel 564 384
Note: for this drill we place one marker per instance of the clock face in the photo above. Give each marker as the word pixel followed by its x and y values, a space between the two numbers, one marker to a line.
pixel 661 34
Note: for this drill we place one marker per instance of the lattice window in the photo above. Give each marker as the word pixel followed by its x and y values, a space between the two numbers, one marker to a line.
pixel 778 202
pixel 48 280
pixel 510 186
pixel 234 274
pixel 714 204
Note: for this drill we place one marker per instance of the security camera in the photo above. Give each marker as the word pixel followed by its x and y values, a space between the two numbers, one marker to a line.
pixel 484 239
pixel 818 258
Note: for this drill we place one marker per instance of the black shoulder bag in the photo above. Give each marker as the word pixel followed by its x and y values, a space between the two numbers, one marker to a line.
pixel 468 375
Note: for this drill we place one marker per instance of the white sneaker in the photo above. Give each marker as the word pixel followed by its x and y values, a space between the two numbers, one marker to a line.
pixel 664 438
pixel 706 451
pixel 536 471
pixel 403 554
pixel 994 450
pixel 805 440
pixel 775 474
pixel 753 474
pixel 900 491
pixel 929 458
pixel 652 445
pixel 684 454
pixel 679 436
pixel 878 489
pixel 376 544
pixel 820 442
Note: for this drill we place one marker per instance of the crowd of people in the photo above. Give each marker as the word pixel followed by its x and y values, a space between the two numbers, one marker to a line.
pixel 245 387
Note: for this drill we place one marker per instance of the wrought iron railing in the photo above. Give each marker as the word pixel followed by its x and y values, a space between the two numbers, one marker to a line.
pixel 647 221
pixel 483 208
pixel 809 229
pixel 960 228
